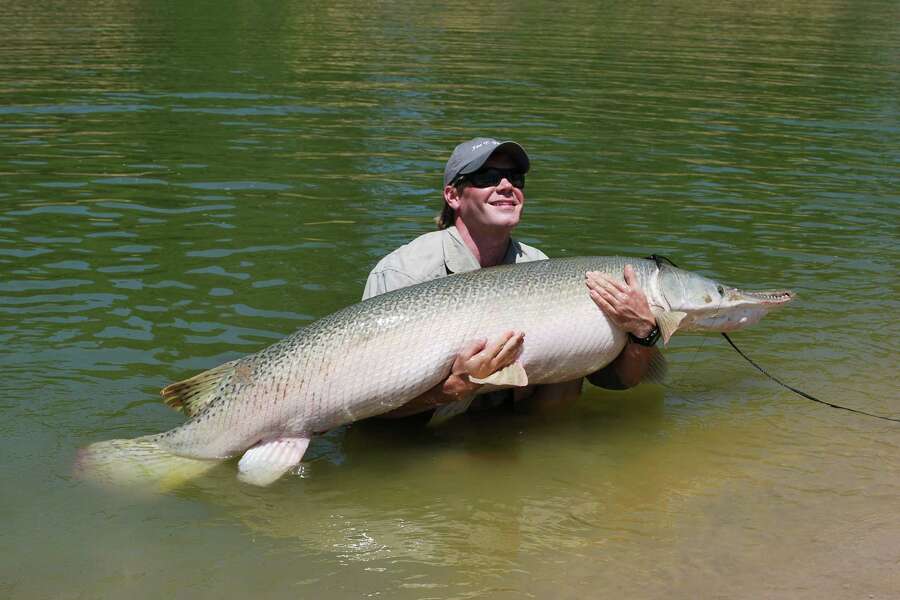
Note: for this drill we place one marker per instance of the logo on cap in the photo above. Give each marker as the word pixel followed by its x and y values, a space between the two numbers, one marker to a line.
pixel 480 144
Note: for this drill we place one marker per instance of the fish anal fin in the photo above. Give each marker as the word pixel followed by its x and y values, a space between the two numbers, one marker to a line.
pixel 446 412
pixel 668 322
pixel 265 462
pixel 191 395
pixel 512 375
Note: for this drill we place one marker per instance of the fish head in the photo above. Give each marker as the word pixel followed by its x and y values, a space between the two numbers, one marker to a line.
pixel 703 304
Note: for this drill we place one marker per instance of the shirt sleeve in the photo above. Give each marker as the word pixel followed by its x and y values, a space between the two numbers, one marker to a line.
pixel 385 280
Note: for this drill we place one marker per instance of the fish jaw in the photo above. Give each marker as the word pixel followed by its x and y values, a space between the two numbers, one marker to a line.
pixel 736 310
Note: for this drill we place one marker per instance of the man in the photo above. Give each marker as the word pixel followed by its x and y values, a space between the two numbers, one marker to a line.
pixel 484 182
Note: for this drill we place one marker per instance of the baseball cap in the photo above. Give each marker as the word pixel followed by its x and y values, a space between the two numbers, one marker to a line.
pixel 469 156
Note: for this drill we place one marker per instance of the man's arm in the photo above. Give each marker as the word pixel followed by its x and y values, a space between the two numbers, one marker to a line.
pixel 627 370
pixel 626 306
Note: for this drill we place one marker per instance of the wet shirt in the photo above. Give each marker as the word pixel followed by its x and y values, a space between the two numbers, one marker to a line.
pixel 434 255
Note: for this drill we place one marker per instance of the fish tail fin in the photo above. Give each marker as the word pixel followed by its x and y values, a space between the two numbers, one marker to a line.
pixel 139 462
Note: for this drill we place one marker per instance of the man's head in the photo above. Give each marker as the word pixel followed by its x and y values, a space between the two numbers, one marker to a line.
pixel 483 182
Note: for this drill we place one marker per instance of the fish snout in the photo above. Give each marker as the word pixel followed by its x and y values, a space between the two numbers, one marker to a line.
pixel 768 298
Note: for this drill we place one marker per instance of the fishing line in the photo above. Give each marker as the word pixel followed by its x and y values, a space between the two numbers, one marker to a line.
pixel 801 392
pixel 663 259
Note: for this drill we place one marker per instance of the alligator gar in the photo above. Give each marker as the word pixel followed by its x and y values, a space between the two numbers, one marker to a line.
pixel 376 355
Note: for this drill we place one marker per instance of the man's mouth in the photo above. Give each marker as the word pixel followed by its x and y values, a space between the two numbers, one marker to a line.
pixel 504 203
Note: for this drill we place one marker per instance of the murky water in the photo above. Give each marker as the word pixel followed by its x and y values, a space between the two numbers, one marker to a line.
pixel 183 183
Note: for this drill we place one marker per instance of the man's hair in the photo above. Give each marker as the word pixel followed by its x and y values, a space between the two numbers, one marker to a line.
pixel 447 216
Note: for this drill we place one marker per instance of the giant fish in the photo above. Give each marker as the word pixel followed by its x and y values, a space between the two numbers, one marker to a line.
pixel 376 355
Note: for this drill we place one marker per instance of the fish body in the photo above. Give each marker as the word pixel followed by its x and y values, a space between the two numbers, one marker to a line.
pixel 376 355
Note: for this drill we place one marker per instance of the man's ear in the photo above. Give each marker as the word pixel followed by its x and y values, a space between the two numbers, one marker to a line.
pixel 451 196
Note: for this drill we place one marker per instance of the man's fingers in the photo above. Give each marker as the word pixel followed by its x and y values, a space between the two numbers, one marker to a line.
pixel 630 277
pixel 597 281
pixel 493 348
pixel 611 298
pixel 472 348
pixel 602 303
pixel 496 355
pixel 604 281
pixel 509 351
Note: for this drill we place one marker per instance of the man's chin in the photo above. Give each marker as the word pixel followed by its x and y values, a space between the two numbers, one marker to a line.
pixel 506 215
pixel 506 223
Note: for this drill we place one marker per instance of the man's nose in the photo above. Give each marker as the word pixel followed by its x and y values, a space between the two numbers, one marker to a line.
pixel 504 184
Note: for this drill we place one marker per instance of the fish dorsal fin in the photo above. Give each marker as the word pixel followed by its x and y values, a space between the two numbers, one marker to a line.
pixel 513 375
pixel 267 461
pixel 668 322
pixel 191 395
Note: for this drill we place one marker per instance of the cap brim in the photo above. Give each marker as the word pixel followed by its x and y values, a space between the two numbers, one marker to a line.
pixel 514 150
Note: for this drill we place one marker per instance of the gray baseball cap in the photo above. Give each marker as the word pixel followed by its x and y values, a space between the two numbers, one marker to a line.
pixel 470 155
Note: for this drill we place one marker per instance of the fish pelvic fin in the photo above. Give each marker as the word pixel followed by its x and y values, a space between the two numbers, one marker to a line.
pixel 191 395
pixel 446 412
pixel 265 462
pixel 138 463
pixel 668 322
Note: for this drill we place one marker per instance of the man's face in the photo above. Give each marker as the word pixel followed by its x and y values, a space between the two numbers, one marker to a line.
pixel 498 206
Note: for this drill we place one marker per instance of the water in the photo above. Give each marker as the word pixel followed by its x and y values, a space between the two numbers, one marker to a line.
pixel 184 183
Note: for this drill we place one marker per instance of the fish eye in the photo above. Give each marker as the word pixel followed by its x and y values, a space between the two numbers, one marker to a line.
pixel 721 290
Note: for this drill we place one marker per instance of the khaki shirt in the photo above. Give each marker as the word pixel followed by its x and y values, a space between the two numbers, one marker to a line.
pixel 434 255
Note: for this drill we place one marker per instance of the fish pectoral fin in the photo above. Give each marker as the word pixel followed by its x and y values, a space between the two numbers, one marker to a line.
pixel 513 375
pixel 267 461
pixel 448 411
pixel 191 395
pixel 668 322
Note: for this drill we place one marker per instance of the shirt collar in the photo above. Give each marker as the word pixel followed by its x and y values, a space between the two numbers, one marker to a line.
pixel 459 259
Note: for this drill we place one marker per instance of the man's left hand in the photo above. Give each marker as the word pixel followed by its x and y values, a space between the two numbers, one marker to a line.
pixel 623 303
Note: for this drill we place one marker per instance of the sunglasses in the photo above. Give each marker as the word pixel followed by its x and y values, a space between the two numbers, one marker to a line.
pixel 491 176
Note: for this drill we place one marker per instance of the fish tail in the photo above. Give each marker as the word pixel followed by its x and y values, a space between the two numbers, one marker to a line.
pixel 139 462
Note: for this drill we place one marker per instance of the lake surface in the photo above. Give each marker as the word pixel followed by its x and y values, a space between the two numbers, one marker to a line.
pixel 182 183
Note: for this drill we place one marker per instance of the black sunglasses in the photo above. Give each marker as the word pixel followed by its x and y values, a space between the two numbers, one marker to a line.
pixel 491 176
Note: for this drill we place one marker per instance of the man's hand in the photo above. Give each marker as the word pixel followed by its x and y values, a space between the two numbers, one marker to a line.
pixel 626 306
pixel 480 359
pixel 623 303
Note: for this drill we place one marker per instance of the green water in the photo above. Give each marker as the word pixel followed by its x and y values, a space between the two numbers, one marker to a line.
pixel 183 183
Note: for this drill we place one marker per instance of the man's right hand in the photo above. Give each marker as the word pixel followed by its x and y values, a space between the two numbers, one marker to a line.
pixel 480 359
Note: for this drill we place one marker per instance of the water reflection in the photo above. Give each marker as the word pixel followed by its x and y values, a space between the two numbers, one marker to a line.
pixel 489 488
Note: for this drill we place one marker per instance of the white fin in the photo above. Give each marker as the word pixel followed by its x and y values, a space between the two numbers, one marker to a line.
pixel 267 461
pixel 668 322
pixel 138 463
pixel 513 375
pixel 448 411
